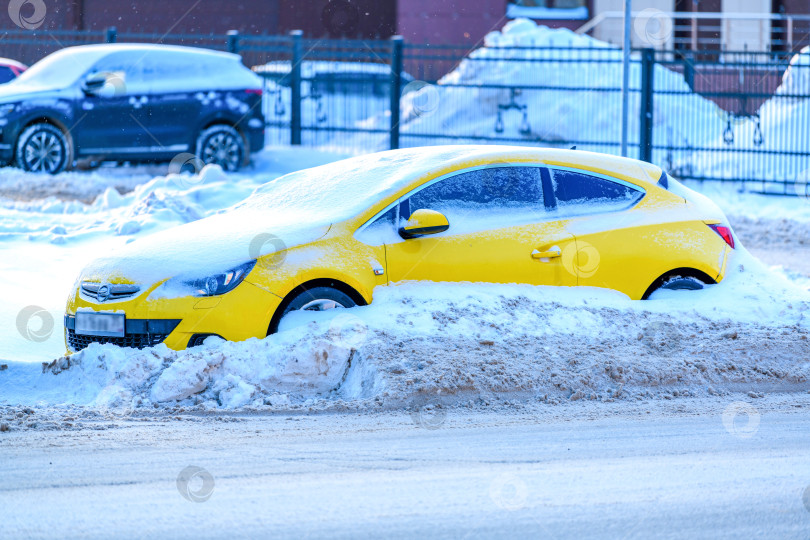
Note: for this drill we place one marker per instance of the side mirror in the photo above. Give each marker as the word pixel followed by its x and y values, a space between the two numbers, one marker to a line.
pixel 424 222
pixel 94 82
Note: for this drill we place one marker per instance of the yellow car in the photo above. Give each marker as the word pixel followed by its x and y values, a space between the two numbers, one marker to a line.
pixel 326 237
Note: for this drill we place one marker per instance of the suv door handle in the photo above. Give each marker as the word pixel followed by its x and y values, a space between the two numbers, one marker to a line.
pixel 550 254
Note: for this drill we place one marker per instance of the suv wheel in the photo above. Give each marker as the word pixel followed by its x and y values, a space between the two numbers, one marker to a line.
pixel 222 145
pixel 43 148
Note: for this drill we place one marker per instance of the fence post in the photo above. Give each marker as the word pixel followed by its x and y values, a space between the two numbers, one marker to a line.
pixel 645 137
pixel 295 86
pixel 396 88
pixel 112 34
pixel 233 41
pixel 689 69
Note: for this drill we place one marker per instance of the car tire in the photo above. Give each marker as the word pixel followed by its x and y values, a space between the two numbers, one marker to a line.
pixel 222 145
pixel 678 283
pixel 43 148
pixel 314 299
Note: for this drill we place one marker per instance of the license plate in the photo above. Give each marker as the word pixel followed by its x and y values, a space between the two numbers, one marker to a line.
pixel 100 324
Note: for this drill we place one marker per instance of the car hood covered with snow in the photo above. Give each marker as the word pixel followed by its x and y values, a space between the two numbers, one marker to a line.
pixel 205 247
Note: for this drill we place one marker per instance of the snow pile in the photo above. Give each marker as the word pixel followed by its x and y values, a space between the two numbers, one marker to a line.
pixel 456 342
pixel 785 125
pixel 579 101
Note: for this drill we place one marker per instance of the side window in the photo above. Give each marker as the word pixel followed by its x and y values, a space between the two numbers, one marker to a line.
pixel 516 192
pixel 580 193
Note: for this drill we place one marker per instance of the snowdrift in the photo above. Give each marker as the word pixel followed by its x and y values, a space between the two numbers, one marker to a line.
pixel 453 343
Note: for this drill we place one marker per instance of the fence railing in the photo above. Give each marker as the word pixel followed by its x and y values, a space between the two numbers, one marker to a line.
pixel 713 115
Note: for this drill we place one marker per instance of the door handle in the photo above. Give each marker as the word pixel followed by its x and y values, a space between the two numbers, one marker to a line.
pixel 550 254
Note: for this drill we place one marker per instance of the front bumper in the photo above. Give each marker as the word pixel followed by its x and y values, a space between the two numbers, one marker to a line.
pixel 238 315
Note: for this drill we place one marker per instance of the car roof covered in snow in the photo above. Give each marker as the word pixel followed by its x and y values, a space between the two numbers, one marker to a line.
pixel 172 67
pixel 352 185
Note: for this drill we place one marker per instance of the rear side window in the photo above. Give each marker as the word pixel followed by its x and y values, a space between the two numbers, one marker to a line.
pixel 580 193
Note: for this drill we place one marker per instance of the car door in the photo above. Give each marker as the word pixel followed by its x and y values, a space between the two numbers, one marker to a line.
pixel 179 90
pixel 114 119
pixel 499 231
pixel 616 247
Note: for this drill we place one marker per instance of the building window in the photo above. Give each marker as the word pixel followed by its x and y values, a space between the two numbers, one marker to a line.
pixel 548 9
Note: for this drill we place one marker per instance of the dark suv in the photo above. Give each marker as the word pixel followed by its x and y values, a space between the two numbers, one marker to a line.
pixel 131 103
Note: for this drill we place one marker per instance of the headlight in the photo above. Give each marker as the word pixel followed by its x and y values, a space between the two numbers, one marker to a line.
pixel 7 108
pixel 220 283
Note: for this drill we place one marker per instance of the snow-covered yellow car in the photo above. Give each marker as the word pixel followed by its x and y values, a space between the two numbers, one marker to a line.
pixel 325 237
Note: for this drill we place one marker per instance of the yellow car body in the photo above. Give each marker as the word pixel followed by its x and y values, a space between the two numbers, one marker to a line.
pixel 664 231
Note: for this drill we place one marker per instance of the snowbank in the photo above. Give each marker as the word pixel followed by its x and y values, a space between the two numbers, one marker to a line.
pixel 456 342
pixel 579 102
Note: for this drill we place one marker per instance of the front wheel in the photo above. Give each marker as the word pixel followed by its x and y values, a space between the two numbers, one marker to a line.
pixel 222 145
pixel 311 300
pixel 43 148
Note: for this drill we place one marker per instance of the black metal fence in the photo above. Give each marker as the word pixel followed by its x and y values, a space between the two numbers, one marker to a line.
pixel 712 115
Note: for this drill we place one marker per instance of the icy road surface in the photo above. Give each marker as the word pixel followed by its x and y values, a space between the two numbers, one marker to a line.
pixel 688 468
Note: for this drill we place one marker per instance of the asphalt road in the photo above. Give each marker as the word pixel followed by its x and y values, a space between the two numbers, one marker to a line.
pixel 676 470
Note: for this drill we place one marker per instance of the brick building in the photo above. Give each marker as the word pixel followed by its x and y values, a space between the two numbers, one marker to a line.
pixel 463 22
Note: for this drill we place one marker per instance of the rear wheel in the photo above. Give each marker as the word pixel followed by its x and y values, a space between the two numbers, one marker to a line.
pixel 222 145
pixel 676 283
pixel 43 148
pixel 312 300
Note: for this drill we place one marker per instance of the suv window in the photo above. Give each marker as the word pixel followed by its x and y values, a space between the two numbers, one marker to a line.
pixel 6 74
pixel 491 191
pixel 580 193
pixel 125 66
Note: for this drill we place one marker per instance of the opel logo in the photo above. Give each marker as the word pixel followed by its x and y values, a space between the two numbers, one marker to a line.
pixel 103 293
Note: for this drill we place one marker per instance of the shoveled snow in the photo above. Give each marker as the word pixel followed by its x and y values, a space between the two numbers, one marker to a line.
pixel 454 341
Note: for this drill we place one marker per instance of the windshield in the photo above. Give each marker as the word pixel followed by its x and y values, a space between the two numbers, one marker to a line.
pixel 60 69
pixel 344 189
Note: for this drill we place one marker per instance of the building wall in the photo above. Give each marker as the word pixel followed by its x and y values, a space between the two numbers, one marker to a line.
pixel 449 21
pixel 366 19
